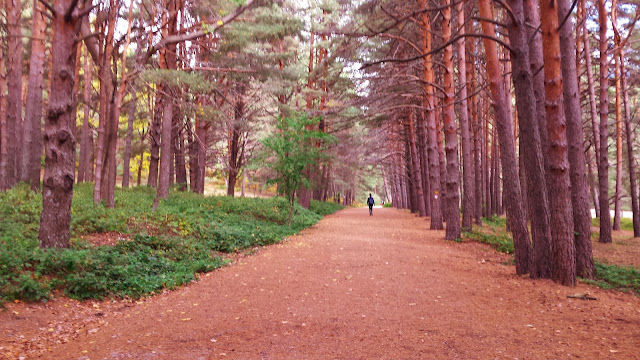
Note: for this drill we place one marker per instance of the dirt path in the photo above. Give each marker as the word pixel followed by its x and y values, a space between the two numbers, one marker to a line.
pixel 352 287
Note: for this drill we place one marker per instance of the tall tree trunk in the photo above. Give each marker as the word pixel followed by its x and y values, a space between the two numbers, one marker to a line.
pixel 32 130
pixel 593 186
pixel 3 119
pixel 129 138
pixel 415 162
pixel 85 150
pixel 179 152
pixel 106 92
pixel 435 194
pixel 155 130
pixel 164 178
pixel 593 111
pixel 467 157
pixel 575 136
pixel 59 142
pixel 633 190
pixel 563 268
pixel 617 212
pixel 603 167
pixel 518 224
pixel 193 154
pixel 165 150
pixel 450 132
pixel 235 160
pixel 536 62
pixel 531 147
pixel 424 160
pixel 14 97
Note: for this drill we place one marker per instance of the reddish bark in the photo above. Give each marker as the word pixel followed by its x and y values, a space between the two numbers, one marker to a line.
pixel 450 132
pixel 563 268
pixel 415 164
pixel 518 225
pixel 32 129
pixel 59 141
pixel 467 157
pixel 575 136
pixel 14 92
pixel 3 119
pixel 531 149
pixel 435 194
pixel 603 166
pixel 85 150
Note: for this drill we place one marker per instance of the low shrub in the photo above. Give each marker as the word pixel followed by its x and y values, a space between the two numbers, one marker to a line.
pixel 162 249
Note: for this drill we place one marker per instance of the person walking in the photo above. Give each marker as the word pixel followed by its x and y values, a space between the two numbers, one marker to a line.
pixel 370 202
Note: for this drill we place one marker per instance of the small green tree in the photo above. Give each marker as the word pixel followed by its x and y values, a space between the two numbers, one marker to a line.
pixel 290 149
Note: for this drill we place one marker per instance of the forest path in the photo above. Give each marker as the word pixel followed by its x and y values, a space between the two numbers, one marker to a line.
pixel 356 287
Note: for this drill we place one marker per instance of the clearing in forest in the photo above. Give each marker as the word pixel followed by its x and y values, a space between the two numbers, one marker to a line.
pixel 352 287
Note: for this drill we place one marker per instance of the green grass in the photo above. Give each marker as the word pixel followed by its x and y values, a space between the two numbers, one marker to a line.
pixel 607 276
pixel 622 278
pixel 163 249
pixel 387 205
pixel 625 223
pixel 496 236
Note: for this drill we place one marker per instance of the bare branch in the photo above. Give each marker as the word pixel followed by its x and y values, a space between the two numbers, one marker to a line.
pixel 49 7
pixel 438 49
pixel 199 33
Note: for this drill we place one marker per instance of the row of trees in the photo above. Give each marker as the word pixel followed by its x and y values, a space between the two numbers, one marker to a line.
pixel 175 90
pixel 491 107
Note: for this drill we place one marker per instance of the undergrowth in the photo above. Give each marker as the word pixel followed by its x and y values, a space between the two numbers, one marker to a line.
pixel 607 276
pixel 625 223
pixel 158 250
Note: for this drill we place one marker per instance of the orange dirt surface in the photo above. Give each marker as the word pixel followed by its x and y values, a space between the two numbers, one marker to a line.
pixel 352 287
pixel 624 249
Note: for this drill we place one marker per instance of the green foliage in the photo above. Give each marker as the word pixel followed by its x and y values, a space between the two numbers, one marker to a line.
pixel 158 250
pixel 324 208
pixel 496 221
pixel 290 149
pixel 388 205
pixel 501 241
pixel 623 278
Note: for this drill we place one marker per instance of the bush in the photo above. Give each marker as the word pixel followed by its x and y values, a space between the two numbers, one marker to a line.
pixel 162 249
pixel 623 278
pixel 388 204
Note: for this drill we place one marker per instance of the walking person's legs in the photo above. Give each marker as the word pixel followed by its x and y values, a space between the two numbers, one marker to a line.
pixel 370 210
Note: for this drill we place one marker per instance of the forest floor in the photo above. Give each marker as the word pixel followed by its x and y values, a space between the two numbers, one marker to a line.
pixel 352 287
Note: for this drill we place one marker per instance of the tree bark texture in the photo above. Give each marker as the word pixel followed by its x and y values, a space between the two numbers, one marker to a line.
pixel 575 136
pixel 633 188
pixel 536 63
pixel 617 210
pixel 3 119
pixel 32 129
pixel 450 132
pixel 603 166
pixel 563 268
pixel 467 156
pixel 415 160
pixel 59 141
pixel 518 225
pixel 531 145
pixel 435 195
pixel 14 92
pixel 126 173
pixel 85 150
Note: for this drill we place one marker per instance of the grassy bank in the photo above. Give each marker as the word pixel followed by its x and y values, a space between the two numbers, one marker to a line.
pixel 607 276
pixel 187 235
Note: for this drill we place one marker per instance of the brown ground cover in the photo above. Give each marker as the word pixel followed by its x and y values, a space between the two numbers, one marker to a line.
pixel 352 287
